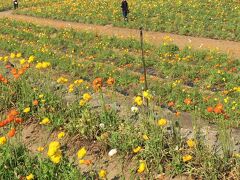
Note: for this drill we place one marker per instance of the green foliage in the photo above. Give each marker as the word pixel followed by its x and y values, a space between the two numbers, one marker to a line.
pixel 18 162
pixel 215 19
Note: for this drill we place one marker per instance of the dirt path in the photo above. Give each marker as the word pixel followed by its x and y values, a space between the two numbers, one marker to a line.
pixel 230 47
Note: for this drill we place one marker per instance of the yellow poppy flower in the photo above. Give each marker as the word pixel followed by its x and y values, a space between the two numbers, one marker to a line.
pixel 142 167
pixel 137 149
pixel 81 153
pixel 3 140
pixel 27 110
pixel 61 135
pixel 30 177
pixel 102 174
pixel 162 122
pixel 187 158
pixel 191 143
pixel 45 121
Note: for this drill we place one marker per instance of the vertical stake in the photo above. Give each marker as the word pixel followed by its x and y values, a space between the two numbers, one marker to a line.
pixel 143 61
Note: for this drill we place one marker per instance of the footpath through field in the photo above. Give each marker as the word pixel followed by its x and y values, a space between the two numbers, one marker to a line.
pixel 230 47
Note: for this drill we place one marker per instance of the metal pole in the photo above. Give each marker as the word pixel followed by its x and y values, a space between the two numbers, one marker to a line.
pixel 143 61
pixel 144 64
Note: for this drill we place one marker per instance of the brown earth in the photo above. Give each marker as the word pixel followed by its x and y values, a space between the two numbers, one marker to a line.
pixel 35 135
pixel 230 47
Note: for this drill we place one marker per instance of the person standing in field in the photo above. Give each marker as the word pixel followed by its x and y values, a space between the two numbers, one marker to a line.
pixel 125 9
pixel 15 4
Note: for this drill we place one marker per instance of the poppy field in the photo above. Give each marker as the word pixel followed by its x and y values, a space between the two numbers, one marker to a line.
pixel 73 104
pixel 8 5
pixel 206 18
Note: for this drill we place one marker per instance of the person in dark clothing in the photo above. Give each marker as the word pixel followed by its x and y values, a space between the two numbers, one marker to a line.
pixel 125 10
pixel 15 4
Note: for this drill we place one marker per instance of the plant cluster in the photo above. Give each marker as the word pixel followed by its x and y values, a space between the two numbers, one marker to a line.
pixel 58 76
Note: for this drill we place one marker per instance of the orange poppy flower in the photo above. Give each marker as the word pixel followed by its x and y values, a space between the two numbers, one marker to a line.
pixel 10 118
pixel 97 83
pixel 13 112
pixel 218 109
pixel 142 79
pixel 210 109
pixel 85 162
pixel 110 81
pixel 5 81
pixel 2 79
pixel 16 76
pixel 26 66
pixel 20 71
pixel 2 124
pixel 188 101
pixel 14 71
pixel 35 102
pixel 219 106
pixel 177 114
pixel 19 120
pixel 170 104
pixel 12 132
